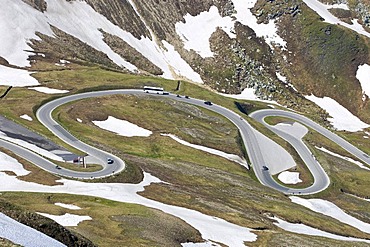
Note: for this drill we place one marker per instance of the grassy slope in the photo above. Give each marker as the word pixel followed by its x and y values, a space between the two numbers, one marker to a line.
pixel 203 182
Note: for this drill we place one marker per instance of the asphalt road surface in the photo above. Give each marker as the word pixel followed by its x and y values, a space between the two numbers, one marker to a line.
pixel 247 132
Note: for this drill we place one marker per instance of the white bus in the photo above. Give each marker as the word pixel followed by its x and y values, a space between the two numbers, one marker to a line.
pixel 157 90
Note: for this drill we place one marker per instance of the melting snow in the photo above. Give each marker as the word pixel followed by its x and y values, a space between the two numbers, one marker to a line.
pixel 246 17
pixel 122 127
pixel 48 90
pixel 342 119
pixel 358 163
pixel 67 219
pixel 26 117
pixel 307 230
pixel 80 20
pixel 79 120
pixel 15 77
pixel 323 11
pixel 363 75
pixel 232 157
pixel 288 177
pixel 247 94
pixel 8 163
pixel 212 228
pixel 330 209
pixel 24 235
pixel 204 244
pixel 68 206
pixel 197 38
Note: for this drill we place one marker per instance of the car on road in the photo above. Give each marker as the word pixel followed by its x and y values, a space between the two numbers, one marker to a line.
pixel 178 96
pixel 187 97
pixel 265 168
pixel 58 167
pixel 208 102
pixel 110 161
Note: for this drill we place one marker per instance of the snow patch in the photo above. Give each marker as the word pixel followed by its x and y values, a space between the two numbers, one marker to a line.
pixel 232 157
pixel 341 118
pixel 8 163
pixel 26 117
pixel 197 38
pixel 288 177
pixel 24 235
pixel 307 230
pixel 15 77
pixel 330 209
pixel 122 127
pixel 79 120
pixel 68 206
pixel 363 75
pixel 67 219
pixel 358 163
pixel 48 90
pixel 247 94
pixel 267 31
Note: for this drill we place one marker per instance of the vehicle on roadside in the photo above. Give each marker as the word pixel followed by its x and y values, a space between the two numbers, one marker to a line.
pixel 208 102
pixel 178 96
pixel 265 168
pixel 110 161
pixel 187 97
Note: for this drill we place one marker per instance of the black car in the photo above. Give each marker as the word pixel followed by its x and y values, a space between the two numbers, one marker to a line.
pixel 208 102
pixel 110 161
pixel 187 97
pixel 265 168
pixel 178 96
pixel 58 167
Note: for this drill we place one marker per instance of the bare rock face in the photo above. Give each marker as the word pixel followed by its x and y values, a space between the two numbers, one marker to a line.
pixel 40 5
pixel 122 14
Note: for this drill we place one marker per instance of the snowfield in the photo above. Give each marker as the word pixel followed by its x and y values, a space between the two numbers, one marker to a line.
pixel 196 38
pixel 212 228
pixel 288 177
pixel 330 209
pixel 122 127
pixel 80 20
pixel 15 77
pixel 24 235
pixel 341 118
pixel 67 219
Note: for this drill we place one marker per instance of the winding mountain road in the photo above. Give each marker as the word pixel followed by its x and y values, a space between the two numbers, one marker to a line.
pixel 321 180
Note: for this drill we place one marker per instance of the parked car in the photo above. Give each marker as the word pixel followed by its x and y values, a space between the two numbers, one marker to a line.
pixel 208 102
pixel 110 161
